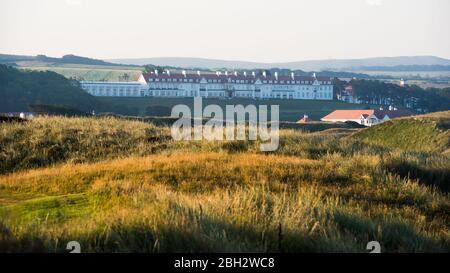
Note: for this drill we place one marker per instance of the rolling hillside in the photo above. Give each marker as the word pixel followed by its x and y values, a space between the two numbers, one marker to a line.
pixel 421 133
pixel 66 59
pixel 77 67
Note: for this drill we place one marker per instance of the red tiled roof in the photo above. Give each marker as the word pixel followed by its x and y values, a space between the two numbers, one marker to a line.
pixel 222 78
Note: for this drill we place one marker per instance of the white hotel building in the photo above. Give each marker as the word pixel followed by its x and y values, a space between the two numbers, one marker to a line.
pixel 217 86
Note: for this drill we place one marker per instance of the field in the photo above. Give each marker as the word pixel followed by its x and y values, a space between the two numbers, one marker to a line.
pixel 87 72
pixel 290 110
pixel 116 185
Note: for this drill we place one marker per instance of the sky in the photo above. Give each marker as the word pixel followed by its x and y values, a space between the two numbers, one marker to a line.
pixel 247 30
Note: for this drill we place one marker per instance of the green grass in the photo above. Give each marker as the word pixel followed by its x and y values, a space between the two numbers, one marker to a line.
pixel 91 72
pixel 50 209
pixel 422 133
pixel 290 110
pixel 125 186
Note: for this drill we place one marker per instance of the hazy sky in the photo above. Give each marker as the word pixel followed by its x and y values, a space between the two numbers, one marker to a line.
pixel 253 30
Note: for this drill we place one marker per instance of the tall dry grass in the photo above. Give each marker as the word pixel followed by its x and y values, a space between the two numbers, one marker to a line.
pixel 124 186
pixel 185 202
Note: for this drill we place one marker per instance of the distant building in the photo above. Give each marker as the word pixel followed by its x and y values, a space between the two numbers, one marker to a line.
pixel 218 85
pixel 114 89
pixel 348 95
pixel 367 117
pixel 305 119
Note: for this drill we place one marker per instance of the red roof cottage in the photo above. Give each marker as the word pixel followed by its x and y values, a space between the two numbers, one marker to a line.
pixel 367 117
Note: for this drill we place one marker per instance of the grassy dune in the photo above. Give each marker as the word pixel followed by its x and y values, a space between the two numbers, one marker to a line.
pixel 125 186
pixel 421 133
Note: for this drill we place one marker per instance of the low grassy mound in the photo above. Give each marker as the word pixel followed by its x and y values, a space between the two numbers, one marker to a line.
pixel 118 185
pixel 427 133
pixel 48 140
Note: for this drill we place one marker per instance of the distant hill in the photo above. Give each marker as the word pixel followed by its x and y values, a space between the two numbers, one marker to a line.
pixel 421 135
pixel 20 89
pixel 409 68
pixel 66 59
pixel 404 63
pixel 312 65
